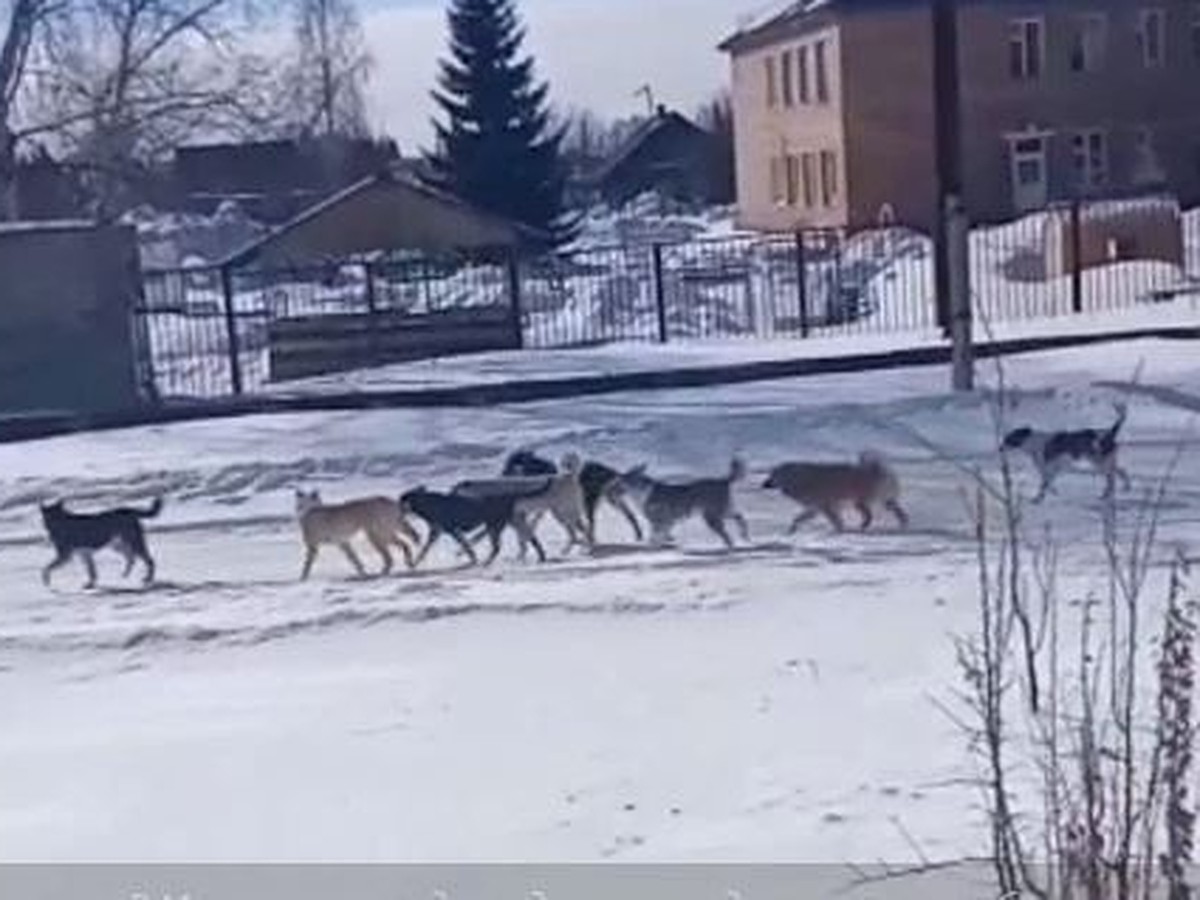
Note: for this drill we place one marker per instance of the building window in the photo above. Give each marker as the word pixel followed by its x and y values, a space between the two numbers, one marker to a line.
pixel 1152 27
pixel 1026 48
pixel 772 83
pixel 792 167
pixel 785 78
pixel 822 75
pixel 777 174
pixel 1089 43
pixel 802 74
pixel 810 180
pixel 1089 159
pixel 829 180
pixel 1146 168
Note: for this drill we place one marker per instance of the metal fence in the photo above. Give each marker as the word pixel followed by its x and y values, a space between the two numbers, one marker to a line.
pixel 205 332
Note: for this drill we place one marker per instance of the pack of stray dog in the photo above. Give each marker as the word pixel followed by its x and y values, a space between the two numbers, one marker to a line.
pixel 530 488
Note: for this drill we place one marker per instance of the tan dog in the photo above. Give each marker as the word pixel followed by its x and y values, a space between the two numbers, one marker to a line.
pixel 560 495
pixel 824 488
pixel 380 518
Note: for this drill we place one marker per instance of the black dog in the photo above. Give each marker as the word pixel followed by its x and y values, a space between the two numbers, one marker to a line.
pixel 598 481
pixel 457 516
pixel 75 533
pixel 1052 451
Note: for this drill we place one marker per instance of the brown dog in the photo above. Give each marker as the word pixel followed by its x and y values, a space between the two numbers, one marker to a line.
pixel 825 488
pixel 380 518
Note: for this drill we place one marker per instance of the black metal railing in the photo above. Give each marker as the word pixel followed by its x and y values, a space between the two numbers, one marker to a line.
pixel 205 332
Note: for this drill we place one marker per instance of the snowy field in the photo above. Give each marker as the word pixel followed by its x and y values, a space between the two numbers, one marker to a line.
pixel 774 703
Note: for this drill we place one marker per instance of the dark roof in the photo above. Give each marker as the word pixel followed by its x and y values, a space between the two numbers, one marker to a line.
pixel 277 166
pixel 662 120
pixel 399 175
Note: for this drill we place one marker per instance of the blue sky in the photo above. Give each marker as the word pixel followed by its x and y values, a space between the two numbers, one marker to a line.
pixel 595 53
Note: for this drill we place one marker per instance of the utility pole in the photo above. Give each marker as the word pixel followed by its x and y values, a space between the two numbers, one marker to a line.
pixel 951 242
pixel 648 92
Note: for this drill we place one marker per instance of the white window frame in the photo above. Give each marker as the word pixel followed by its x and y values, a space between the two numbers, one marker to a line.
pixel 1147 167
pixel 775 179
pixel 1090 170
pixel 1145 17
pixel 771 76
pixel 821 65
pixel 803 83
pixel 808 168
pixel 787 87
pixel 829 178
pixel 1018 33
pixel 1096 59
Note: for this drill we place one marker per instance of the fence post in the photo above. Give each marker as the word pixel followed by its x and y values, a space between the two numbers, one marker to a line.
pixel 1076 257
pixel 372 314
pixel 513 268
pixel 660 293
pixel 802 282
pixel 232 340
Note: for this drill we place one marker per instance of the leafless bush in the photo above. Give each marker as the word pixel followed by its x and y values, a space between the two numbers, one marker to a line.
pixel 1112 757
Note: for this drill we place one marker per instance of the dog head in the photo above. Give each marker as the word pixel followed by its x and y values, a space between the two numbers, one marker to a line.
pixel 52 511
pixel 307 501
pixel 1016 438
pixel 527 463
pixel 636 482
pixel 869 459
pixel 406 499
pixel 570 464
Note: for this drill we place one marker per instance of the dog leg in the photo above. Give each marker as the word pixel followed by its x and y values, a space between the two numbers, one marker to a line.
pixel 528 537
pixel 90 564
pixel 494 534
pixel 743 526
pixel 834 517
pixel 897 510
pixel 57 563
pixel 624 509
pixel 127 554
pixel 310 556
pixel 716 525
pixel 466 546
pixel 151 569
pixel 864 510
pixel 353 557
pixel 405 549
pixel 434 534
pixel 807 516
pixel 380 543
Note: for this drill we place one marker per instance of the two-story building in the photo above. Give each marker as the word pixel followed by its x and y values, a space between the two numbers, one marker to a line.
pixel 833 106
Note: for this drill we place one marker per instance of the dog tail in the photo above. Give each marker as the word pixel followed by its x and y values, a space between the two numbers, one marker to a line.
pixel 150 512
pixel 737 469
pixel 1122 411
pixel 1108 441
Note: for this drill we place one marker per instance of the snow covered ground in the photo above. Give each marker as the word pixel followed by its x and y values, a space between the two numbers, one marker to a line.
pixel 775 703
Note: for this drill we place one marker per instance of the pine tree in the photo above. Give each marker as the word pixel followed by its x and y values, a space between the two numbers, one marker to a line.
pixel 497 148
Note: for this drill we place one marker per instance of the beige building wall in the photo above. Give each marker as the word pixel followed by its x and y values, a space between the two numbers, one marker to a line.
pixel 773 137
pixel 889 116
pixel 880 118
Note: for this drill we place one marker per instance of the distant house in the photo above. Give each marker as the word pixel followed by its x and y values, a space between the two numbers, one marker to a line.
pixel 667 154
pixel 273 180
pixel 392 212
pixel 834 116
